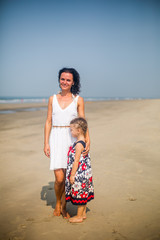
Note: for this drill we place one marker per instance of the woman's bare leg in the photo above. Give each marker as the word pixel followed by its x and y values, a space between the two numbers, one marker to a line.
pixel 65 214
pixel 59 189
pixel 59 186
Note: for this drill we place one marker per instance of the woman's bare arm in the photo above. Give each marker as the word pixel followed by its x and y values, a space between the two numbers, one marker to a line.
pixel 81 113
pixel 47 129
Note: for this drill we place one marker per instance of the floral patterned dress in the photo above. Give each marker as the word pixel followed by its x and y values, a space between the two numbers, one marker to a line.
pixel 82 190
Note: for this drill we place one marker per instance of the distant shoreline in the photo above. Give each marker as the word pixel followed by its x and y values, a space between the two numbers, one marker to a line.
pixel 9 108
pixel 24 100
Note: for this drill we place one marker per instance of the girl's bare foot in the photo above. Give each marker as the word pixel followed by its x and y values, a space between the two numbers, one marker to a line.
pixel 57 210
pixel 84 216
pixel 76 219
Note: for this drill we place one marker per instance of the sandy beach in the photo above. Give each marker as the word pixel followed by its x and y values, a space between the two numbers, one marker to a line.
pixel 125 158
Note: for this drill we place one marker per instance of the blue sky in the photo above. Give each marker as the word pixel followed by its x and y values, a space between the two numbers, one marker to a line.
pixel 114 45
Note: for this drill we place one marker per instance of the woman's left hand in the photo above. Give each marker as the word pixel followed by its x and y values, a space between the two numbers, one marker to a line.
pixel 87 148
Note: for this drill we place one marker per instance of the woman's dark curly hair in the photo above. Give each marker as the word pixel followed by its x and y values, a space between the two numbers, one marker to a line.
pixel 75 89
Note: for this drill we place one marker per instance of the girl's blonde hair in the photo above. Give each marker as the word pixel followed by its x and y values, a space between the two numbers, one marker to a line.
pixel 81 123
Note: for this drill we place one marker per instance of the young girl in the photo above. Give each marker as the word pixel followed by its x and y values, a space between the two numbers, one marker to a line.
pixel 78 185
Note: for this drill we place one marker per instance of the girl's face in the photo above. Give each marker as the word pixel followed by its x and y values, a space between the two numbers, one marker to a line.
pixel 66 81
pixel 74 131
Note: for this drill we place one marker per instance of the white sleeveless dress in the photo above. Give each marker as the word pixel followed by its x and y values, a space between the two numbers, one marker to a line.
pixel 60 137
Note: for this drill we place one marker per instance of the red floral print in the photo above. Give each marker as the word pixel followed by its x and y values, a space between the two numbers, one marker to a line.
pixel 90 179
pixel 84 166
pixel 84 195
pixel 82 190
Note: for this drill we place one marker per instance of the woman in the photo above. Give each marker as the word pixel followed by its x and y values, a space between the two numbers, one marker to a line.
pixel 62 108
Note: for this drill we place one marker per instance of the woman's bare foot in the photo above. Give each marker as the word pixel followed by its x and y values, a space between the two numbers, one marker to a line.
pixel 57 210
pixel 76 219
pixel 64 213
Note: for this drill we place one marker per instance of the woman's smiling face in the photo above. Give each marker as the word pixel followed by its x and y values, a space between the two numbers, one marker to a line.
pixel 66 81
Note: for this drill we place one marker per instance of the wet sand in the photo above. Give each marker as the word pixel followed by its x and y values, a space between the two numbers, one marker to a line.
pixel 125 154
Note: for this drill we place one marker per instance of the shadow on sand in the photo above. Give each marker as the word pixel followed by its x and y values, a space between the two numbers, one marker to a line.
pixel 48 195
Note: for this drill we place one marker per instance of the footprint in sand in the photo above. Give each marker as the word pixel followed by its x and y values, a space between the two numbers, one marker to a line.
pixel 114 231
pixel 30 219
pixel 17 238
pixel 47 219
pixel 132 199
pixel 23 226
